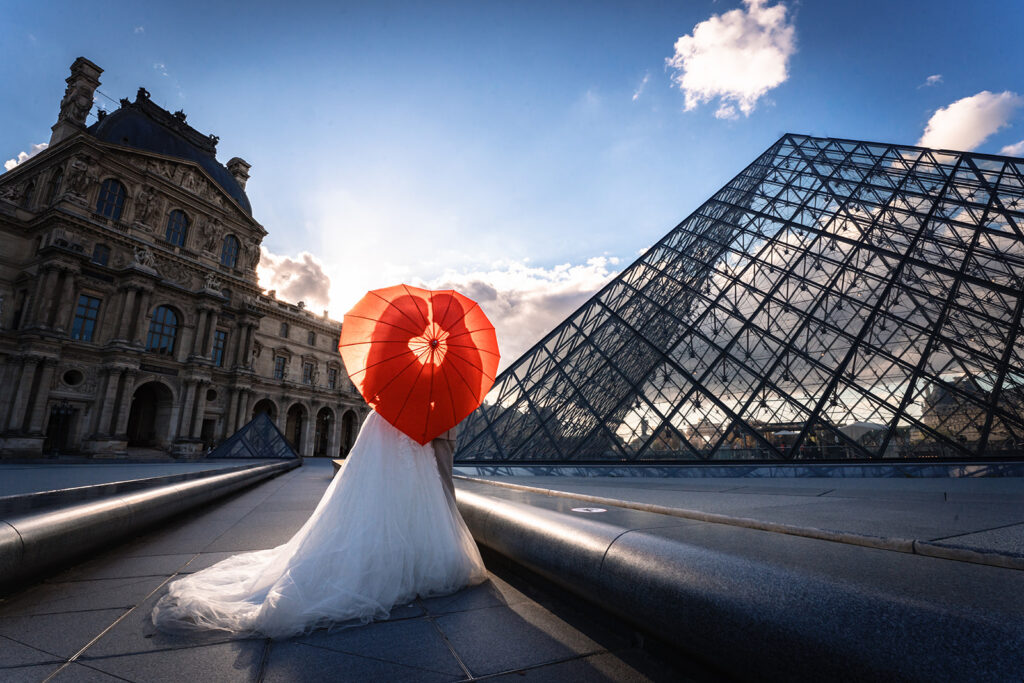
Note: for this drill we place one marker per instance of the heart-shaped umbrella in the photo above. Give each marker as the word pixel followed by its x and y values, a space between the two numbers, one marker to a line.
pixel 422 359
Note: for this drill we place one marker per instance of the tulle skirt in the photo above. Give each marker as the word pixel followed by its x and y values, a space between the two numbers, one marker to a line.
pixel 384 532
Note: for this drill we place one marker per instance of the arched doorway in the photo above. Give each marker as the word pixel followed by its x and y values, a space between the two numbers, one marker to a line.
pixel 324 425
pixel 293 426
pixel 348 432
pixel 265 406
pixel 150 416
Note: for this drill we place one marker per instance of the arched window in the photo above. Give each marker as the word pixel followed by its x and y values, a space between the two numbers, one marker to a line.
pixel 26 199
pixel 284 330
pixel 54 187
pixel 162 331
pixel 111 199
pixel 177 228
pixel 229 252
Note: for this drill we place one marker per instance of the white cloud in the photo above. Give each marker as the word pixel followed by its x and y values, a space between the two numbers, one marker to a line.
pixel 22 156
pixel 640 88
pixel 161 68
pixel 140 29
pixel 526 302
pixel 966 123
pixel 295 279
pixel 934 79
pixel 737 57
pixel 1015 150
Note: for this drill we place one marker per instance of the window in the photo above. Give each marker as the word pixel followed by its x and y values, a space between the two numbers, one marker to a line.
pixel 30 190
pixel 311 339
pixel 229 252
pixel 280 367
pixel 307 373
pixel 220 342
pixel 54 187
pixel 284 330
pixel 100 254
pixel 111 199
pixel 332 378
pixel 177 228
pixel 162 330
pixel 85 317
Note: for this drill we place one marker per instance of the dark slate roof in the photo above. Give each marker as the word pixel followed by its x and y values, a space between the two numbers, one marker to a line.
pixel 147 126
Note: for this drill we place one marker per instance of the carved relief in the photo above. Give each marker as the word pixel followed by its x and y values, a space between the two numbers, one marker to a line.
pixel 212 282
pixel 251 254
pixel 148 207
pixel 175 272
pixel 144 257
pixel 80 176
pixel 190 181
pixel 211 235
pixel 162 168
pixel 76 103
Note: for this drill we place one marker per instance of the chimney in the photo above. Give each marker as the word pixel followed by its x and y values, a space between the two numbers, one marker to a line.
pixel 77 102
pixel 239 168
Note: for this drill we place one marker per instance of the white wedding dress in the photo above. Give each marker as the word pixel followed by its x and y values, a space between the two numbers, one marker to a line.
pixel 384 532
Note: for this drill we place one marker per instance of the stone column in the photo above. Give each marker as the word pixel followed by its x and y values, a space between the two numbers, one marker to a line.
pixel 242 418
pixel 107 406
pixel 197 421
pixel 41 299
pixel 125 404
pixel 282 414
pixel 21 393
pixel 124 326
pixel 35 424
pixel 67 302
pixel 308 433
pixel 333 438
pixel 139 334
pixel 186 408
pixel 247 354
pixel 11 372
pixel 197 339
pixel 208 343
pixel 231 413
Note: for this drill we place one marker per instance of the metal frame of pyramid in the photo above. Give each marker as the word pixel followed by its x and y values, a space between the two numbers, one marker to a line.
pixel 259 438
pixel 837 300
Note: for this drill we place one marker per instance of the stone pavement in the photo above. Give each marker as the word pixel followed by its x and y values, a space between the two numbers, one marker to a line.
pixel 20 478
pixel 91 622
pixel 972 519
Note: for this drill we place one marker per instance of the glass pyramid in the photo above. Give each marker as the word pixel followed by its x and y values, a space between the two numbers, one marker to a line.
pixel 837 300
pixel 260 438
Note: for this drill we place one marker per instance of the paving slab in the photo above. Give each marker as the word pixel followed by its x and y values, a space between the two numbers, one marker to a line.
pixel 16 479
pixel 884 511
pixel 107 601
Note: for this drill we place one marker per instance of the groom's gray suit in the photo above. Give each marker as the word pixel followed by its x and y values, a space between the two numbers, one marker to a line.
pixel 444 453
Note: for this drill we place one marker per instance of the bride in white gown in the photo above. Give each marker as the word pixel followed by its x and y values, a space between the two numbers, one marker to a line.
pixel 384 532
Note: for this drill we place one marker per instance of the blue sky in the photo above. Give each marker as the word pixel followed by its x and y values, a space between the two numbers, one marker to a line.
pixel 523 152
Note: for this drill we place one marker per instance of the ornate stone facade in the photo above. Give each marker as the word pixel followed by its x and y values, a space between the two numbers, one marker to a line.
pixel 131 320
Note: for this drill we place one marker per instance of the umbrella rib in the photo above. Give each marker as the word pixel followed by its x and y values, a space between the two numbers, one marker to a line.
pixel 392 305
pixel 413 296
pixel 377 321
pixel 380 362
pixel 466 381
pixel 466 312
pixel 474 348
pixel 471 363
pixel 396 375
pixel 411 387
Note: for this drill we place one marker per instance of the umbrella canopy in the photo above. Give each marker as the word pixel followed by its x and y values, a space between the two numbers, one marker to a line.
pixel 422 359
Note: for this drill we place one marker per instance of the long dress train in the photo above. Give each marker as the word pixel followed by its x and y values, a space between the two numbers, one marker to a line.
pixel 384 532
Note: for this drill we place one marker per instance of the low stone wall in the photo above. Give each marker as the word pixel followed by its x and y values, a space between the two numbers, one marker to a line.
pixel 33 542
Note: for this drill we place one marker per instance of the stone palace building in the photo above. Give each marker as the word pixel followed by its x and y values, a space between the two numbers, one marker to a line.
pixel 131 320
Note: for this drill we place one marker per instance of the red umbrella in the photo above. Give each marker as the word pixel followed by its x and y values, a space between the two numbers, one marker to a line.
pixel 422 359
